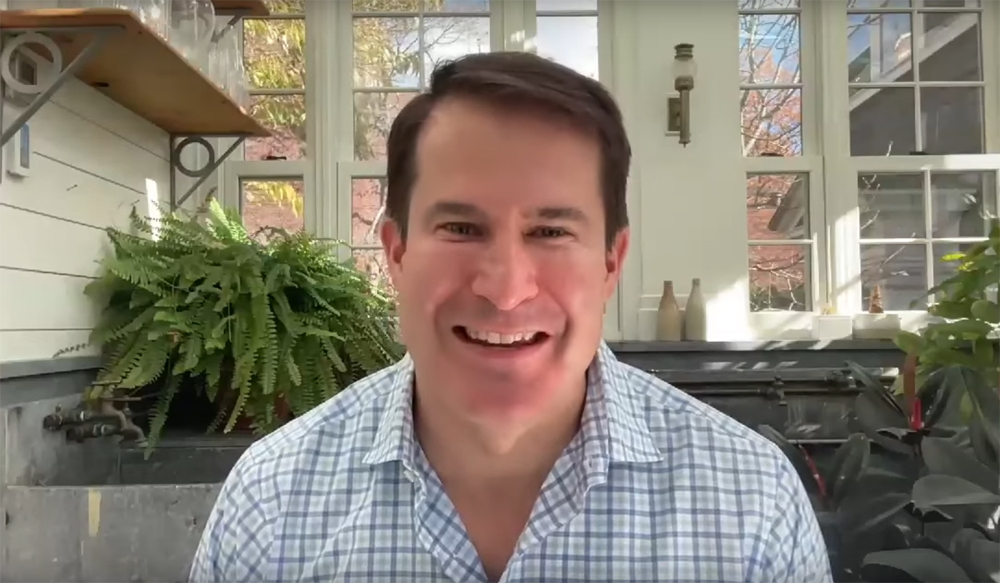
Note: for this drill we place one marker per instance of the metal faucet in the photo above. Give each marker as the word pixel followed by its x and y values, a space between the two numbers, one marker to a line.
pixel 96 418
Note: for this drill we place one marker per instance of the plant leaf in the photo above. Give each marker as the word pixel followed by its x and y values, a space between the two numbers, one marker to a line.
pixel 944 457
pixel 848 464
pixel 924 565
pixel 986 401
pixel 864 515
pixel 941 490
pixel 986 310
pixel 977 554
pixel 980 444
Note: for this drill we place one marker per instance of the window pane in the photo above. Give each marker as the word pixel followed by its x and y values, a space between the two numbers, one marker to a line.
pixel 418 5
pixel 570 41
pixel 768 4
pixel 272 203
pixel 900 271
pixel 891 206
pixel 285 116
pixel 883 122
pixel 772 122
pixel 878 47
pixel 372 262
pixel 951 47
pixel 285 6
pixel 367 198
pixel 952 120
pixel 565 5
pixel 779 278
pixel 770 48
pixel 950 3
pixel 373 116
pixel 273 53
pixel 778 207
pixel 451 37
pixel 876 4
pixel 386 5
pixel 945 269
pixel 386 53
pixel 962 203
pixel 480 6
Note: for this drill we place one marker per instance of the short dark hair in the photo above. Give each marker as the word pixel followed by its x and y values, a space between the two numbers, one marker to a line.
pixel 510 80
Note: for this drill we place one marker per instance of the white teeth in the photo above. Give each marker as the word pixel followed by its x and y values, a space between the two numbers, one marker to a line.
pixel 498 338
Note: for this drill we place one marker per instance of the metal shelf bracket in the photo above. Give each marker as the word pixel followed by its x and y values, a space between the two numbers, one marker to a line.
pixel 235 16
pixel 179 142
pixel 177 145
pixel 45 90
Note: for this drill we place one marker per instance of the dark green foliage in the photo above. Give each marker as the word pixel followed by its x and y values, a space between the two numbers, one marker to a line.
pixel 199 304
pixel 913 501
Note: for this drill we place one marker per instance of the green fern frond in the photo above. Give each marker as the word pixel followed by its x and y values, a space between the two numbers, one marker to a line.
pixel 198 304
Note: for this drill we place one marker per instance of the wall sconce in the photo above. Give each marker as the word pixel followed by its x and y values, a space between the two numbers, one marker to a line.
pixel 679 108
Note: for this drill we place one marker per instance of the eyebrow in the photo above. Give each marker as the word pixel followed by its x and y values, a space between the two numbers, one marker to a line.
pixel 471 211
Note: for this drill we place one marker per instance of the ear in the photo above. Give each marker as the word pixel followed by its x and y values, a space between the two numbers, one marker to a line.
pixel 614 261
pixel 394 247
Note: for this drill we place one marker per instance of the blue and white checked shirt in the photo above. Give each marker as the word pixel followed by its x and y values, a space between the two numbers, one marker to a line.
pixel 656 486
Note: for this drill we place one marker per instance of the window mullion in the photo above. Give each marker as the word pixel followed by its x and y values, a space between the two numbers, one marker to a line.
pixel 839 177
pixel 990 37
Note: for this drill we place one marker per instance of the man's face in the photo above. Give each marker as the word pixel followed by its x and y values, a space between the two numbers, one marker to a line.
pixel 504 275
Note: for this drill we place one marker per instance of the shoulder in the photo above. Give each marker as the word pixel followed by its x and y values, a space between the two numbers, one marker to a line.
pixel 333 437
pixel 704 442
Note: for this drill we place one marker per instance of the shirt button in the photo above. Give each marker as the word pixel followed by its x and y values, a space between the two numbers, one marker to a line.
pixel 593 463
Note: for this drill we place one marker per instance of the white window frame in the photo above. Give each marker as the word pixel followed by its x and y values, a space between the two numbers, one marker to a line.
pixel 236 170
pixel 841 169
pixel 788 324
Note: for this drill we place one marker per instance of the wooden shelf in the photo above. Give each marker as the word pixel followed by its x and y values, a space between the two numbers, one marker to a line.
pixel 241 7
pixel 139 70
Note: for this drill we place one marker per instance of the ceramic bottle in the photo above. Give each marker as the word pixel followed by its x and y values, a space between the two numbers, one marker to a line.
pixel 669 322
pixel 695 319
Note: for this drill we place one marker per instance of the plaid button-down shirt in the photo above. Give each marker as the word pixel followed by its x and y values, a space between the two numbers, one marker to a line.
pixel 657 486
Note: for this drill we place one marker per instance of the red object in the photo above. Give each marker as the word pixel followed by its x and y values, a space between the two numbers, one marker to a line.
pixel 916 415
pixel 815 472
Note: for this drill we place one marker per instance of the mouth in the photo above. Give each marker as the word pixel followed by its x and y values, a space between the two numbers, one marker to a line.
pixel 500 340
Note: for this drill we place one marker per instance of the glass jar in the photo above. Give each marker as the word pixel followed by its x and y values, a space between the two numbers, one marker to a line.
pixel 155 14
pixel 204 33
pixel 184 27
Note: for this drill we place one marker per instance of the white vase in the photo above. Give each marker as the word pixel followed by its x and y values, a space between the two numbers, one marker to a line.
pixel 876 326
pixel 695 318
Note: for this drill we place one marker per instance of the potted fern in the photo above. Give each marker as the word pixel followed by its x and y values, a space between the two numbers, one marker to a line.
pixel 266 330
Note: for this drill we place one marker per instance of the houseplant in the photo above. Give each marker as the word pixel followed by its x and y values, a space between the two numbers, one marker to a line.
pixel 916 492
pixel 915 496
pixel 967 314
pixel 197 303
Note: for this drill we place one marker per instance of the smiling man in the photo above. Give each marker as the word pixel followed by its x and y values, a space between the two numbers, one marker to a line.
pixel 510 444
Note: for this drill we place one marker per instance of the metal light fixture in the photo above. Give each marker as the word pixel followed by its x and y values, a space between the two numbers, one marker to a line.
pixel 679 108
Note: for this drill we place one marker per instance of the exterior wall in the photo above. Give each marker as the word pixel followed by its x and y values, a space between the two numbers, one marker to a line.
pixel 688 204
pixel 92 160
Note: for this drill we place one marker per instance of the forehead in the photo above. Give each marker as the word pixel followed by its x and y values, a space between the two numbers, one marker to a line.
pixel 499 159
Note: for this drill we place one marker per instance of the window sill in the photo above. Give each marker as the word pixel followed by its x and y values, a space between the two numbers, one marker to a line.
pixel 802 325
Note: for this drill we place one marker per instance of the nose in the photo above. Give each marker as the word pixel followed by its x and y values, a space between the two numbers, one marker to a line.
pixel 506 273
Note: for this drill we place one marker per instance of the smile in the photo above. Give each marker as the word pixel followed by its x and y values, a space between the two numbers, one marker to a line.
pixel 500 339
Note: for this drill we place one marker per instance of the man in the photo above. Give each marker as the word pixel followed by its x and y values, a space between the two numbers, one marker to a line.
pixel 510 445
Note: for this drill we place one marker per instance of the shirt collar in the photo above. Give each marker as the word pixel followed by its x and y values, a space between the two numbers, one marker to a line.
pixel 613 428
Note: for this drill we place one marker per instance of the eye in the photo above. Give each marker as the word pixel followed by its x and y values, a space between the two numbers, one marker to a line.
pixel 550 232
pixel 460 229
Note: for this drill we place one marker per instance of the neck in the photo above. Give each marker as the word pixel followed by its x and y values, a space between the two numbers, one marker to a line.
pixel 471 451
